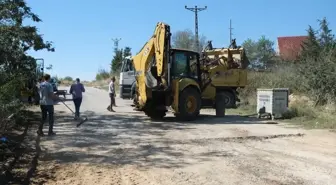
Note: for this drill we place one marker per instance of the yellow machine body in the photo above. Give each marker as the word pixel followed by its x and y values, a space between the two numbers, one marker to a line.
pixel 205 81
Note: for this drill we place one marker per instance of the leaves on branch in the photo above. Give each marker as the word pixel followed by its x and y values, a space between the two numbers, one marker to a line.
pixel 16 66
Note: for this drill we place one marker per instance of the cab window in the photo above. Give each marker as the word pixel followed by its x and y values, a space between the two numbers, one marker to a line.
pixel 193 65
pixel 180 67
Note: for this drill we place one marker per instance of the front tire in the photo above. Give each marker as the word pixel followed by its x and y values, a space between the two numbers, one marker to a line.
pixel 153 112
pixel 189 104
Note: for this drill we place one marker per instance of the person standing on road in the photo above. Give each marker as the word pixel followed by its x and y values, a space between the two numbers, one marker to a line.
pixel 112 94
pixel 133 90
pixel 77 90
pixel 47 98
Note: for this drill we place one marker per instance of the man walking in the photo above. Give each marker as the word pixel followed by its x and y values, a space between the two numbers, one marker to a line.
pixel 112 95
pixel 77 90
pixel 47 98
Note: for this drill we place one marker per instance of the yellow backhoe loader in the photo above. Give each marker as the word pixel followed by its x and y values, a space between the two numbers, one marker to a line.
pixel 184 80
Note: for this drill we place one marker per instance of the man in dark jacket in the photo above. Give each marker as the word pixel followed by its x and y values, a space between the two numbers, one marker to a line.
pixel 77 90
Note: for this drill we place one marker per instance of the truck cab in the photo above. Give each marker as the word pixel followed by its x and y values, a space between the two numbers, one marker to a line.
pixel 127 78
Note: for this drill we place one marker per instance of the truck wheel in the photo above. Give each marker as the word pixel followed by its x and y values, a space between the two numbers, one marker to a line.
pixel 229 99
pixel 189 104
pixel 220 104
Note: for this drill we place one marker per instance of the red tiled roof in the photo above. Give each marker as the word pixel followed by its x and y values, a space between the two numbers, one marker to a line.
pixel 290 47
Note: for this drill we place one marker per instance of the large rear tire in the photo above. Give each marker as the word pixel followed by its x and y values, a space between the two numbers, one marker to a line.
pixel 189 104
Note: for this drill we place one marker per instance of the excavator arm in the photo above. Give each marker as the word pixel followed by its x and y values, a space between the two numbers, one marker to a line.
pixel 151 63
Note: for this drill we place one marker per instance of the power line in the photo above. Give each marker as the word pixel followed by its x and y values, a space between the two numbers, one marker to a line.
pixel 196 10
pixel 116 43
pixel 230 28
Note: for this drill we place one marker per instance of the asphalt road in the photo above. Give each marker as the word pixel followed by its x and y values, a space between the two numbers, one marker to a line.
pixel 125 147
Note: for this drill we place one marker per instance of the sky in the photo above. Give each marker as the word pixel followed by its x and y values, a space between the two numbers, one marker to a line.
pixel 82 30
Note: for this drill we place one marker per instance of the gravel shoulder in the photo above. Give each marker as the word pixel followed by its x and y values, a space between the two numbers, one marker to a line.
pixel 126 148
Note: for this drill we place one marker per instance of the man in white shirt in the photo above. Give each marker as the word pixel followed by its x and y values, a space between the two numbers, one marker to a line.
pixel 47 105
pixel 112 94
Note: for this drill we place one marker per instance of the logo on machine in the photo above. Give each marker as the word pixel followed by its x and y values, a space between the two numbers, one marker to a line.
pixel 146 51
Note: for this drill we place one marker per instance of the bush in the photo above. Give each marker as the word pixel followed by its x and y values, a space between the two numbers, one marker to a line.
pixel 319 74
pixel 282 76
pixel 9 100
pixel 312 75
pixel 102 75
pixel 68 78
pixel 313 78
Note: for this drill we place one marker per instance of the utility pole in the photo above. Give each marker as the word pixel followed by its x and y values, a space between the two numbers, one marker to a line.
pixel 116 43
pixel 196 10
pixel 230 31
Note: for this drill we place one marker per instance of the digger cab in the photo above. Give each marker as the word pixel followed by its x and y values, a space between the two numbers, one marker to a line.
pixel 185 64
pixel 186 85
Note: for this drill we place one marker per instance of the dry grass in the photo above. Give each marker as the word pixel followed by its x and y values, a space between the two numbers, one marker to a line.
pixel 301 109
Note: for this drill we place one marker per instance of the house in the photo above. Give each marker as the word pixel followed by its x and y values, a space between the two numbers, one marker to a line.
pixel 290 47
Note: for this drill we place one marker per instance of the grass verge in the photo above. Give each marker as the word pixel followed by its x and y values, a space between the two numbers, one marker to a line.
pixel 300 114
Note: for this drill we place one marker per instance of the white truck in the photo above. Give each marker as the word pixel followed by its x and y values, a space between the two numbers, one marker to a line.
pixel 127 78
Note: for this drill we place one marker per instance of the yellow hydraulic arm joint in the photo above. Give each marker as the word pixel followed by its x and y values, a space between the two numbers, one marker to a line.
pixel 154 53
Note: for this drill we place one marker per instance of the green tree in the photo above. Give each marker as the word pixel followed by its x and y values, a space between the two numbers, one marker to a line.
pixel 119 56
pixel 327 39
pixel 102 75
pixel 186 40
pixel 127 52
pixel 318 64
pixel 251 48
pixel 261 53
pixel 311 46
pixel 117 61
pixel 16 66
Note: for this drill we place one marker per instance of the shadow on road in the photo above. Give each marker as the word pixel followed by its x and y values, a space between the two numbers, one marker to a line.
pixel 130 139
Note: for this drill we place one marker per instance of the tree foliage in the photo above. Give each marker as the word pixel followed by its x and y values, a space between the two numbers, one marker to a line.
pixel 318 63
pixel 102 74
pixel 119 56
pixel 186 40
pixel 68 78
pixel 16 66
pixel 261 53
pixel 312 74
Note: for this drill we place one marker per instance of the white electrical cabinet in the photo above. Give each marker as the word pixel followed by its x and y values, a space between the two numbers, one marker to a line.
pixel 272 102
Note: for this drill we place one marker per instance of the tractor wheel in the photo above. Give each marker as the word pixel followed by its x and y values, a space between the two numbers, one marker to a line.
pixel 154 113
pixel 189 104
pixel 220 104
pixel 229 99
